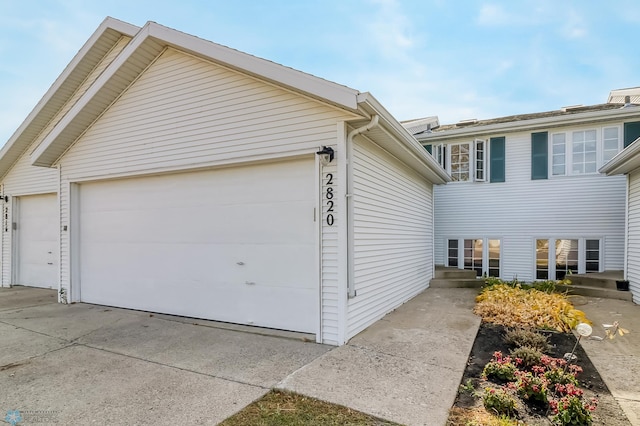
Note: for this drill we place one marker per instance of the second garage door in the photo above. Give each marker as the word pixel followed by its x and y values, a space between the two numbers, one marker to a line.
pixel 234 244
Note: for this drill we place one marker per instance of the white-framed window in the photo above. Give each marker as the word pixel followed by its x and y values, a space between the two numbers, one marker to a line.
pixel 441 155
pixel 582 152
pixel 611 143
pixel 481 160
pixel 467 161
pixel 482 255
pixel 584 147
pixel 555 258
pixel 558 154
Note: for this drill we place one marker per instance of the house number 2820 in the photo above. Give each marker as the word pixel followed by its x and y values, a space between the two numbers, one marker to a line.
pixel 329 198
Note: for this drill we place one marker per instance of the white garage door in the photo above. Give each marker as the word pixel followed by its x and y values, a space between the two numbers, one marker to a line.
pixel 37 241
pixel 235 244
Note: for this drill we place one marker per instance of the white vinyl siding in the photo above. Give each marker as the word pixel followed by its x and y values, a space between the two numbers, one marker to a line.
pixel 633 243
pixel 522 210
pixel 185 113
pixel 393 234
pixel 329 268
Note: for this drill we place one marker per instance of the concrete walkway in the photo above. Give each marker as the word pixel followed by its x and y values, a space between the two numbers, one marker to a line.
pixel 88 364
pixel 406 367
pixel 617 360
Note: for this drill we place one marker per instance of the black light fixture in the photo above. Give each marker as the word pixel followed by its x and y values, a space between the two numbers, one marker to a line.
pixel 326 155
pixel 4 198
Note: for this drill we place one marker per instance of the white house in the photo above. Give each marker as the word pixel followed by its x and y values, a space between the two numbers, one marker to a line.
pixel 627 162
pixel 527 200
pixel 167 173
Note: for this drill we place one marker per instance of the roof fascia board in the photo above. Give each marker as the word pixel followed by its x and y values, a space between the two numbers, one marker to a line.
pixel 535 124
pixel 285 76
pixel 413 149
pixel 107 23
pixel 110 71
pixel 625 161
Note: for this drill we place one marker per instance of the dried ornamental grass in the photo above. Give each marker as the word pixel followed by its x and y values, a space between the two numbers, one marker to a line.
pixel 519 337
pixel 517 307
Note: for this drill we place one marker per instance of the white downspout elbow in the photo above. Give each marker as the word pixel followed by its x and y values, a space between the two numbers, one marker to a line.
pixel 351 291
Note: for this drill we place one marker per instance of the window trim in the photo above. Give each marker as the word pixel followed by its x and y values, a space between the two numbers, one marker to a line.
pixel 480 158
pixel 582 254
pixel 484 255
pixel 620 142
pixel 569 145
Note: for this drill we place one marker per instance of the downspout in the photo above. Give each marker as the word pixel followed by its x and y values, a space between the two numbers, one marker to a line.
pixel 351 291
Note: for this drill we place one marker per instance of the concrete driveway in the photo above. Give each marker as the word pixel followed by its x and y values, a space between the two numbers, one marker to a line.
pixel 88 364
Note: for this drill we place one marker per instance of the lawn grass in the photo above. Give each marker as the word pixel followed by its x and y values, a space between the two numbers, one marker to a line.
pixel 281 408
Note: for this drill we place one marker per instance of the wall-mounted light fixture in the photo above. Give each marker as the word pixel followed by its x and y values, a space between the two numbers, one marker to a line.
pixel 4 198
pixel 326 155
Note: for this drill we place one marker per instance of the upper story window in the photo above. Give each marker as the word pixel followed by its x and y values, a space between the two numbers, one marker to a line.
pixel 583 151
pixel 474 161
pixel 610 143
pixel 460 161
pixel 464 161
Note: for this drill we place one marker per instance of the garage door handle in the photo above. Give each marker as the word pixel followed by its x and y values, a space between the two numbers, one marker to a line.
pixel 249 283
pixel 49 263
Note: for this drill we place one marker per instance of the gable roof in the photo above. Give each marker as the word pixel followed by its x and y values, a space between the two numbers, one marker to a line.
pixel 421 125
pixel 618 95
pixel 97 46
pixel 152 39
pixel 578 114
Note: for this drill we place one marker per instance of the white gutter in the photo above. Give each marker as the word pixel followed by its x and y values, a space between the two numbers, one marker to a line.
pixel 351 291
pixel 625 161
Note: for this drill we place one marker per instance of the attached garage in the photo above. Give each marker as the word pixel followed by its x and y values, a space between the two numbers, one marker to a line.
pixel 196 180
pixel 36 240
pixel 235 244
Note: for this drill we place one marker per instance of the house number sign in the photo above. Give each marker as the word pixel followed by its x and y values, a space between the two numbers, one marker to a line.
pixel 328 195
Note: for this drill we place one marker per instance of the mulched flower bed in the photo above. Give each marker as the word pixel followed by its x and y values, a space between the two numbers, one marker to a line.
pixel 490 338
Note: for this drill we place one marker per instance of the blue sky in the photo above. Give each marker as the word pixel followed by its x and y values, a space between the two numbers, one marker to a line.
pixel 455 59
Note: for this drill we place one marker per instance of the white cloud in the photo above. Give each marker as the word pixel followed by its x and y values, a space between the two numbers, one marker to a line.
pixel 390 28
pixel 493 15
pixel 575 27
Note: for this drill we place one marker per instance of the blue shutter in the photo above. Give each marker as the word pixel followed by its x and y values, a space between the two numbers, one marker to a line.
pixel 497 159
pixel 631 132
pixel 539 155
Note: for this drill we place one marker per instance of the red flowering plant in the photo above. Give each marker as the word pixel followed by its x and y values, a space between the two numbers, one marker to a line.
pixel 556 371
pixel 532 387
pixel 500 367
pixel 572 410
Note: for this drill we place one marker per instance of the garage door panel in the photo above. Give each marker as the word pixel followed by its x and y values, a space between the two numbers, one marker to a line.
pixel 246 257
pixel 138 263
pixel 253 223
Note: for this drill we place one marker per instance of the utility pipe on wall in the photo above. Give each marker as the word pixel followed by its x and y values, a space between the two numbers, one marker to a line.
pixel 351 291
